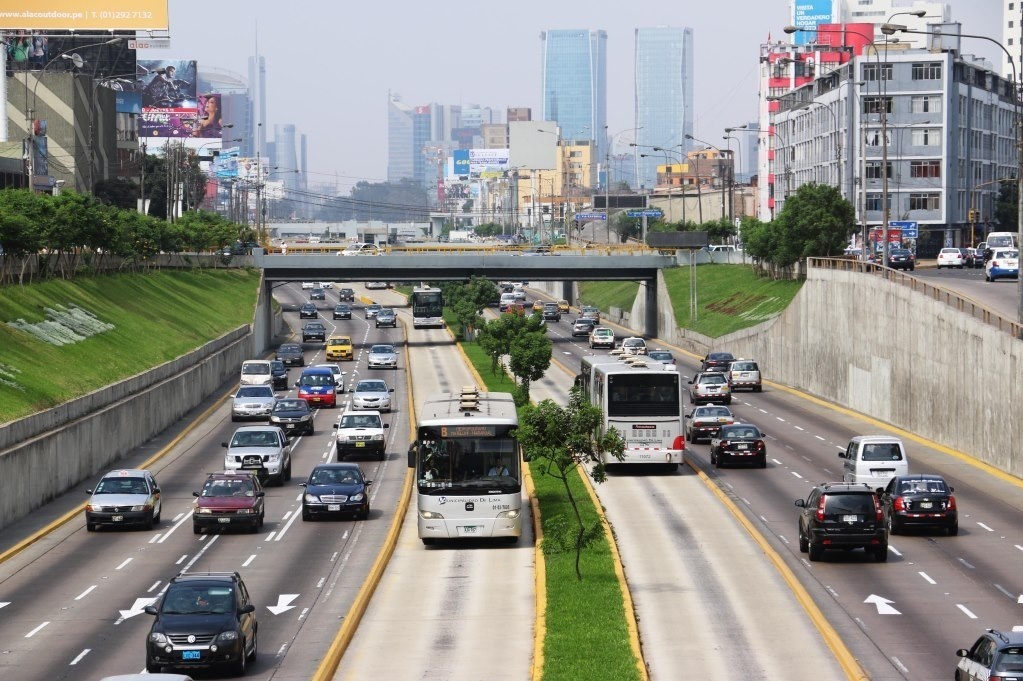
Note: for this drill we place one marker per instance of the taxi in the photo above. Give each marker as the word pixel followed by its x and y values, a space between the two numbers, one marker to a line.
pixel 563 307
pixel 339 348
pixel 537 306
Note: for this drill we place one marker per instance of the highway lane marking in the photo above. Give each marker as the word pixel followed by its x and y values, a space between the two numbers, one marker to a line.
pixel 177 517
pixel 179 520
pixel 985 527
pixel 270 537
pixel 966 611
pixel 126 561
pixel 894 550
pixel 796 427
pixel 85 593
pixel 1018 547
pixel 898 663
pixel 36 630
pixel 155 537
pixel 287 515
pixel 776 462
pixel 927 577
pixel 155 586
pixel 319 583
pixel 182 559
pixel 287 526
pixel 1005 591
pixel 301 615
pixel 797 475
pixel 819 438
pixel 964 562
pixel 248 561
pixel 80 656
pixel 198 555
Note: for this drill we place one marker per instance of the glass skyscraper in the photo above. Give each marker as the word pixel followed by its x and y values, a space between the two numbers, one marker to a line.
pixel 664 98
pixel 574 66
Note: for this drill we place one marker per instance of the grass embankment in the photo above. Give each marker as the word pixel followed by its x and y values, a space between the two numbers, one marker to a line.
pixel 156 317
pixel 587 635
pixel 729 297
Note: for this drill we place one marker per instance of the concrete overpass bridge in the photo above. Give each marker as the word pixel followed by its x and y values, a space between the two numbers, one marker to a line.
pixel 459 264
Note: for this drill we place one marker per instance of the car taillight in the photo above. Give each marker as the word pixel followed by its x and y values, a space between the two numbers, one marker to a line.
pixel 679 442
pixel 725 444
pixel 878 510
pixel 994 263
pixel 899 504
pixel 951 504
pixel 760 445
pixel 820 507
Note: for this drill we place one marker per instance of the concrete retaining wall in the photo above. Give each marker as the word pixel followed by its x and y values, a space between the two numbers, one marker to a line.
pixel 46 454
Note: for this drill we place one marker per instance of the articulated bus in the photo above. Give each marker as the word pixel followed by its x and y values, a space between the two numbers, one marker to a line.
pixel 468 473
pixel 427 307
pixel 642 400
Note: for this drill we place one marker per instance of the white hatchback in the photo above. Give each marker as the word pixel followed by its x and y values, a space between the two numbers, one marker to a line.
pixel 951 257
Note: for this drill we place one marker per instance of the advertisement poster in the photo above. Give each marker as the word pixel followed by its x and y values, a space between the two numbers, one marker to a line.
pixel 169 102
pixel 225 164
pixel 80 15
pixel 808 15
pixel 481 160
pixel 207 120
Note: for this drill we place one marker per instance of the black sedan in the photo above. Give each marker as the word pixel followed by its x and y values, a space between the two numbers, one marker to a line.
pixel 278 375
pixel 342 311
pixel 738 443
pixel 318 294
pixel 921 500
pixel 717 361
pixel 293 416
pixel 291 355
pixel 336 489
pixel 308 311
pixel 901 259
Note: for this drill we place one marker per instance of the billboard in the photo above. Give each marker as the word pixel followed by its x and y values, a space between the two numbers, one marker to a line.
pixel 169 103
pixel 79 15
pixel 207 121
pixel 461 166
pixel 484 160
pixel 225 164
pixel 808 15
pixel 534 144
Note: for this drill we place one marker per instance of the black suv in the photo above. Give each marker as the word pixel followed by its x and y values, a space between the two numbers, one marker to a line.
pixel 840 515
pixel 995 655
pixel 346 295
pixel 314 331
pixel 203 619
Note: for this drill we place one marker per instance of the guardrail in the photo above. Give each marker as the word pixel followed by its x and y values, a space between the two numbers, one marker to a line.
pixel 474 249
pixel 951 298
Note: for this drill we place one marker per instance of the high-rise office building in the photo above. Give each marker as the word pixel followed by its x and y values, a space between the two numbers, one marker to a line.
pixel 256 142
pixel 399 139
pixel 1012 36
pixel 664 98
pixel 574 67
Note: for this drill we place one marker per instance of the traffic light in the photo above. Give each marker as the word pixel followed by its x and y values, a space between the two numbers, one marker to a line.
pixel 972 215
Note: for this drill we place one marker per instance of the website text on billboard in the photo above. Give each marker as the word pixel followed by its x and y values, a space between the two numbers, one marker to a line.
pixel 76 15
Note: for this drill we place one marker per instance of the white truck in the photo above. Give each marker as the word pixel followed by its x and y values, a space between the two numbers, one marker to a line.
pixel 461 236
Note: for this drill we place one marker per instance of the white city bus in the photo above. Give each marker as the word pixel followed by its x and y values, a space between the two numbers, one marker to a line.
pixel 642 400
pixel 427 307
pixel 468 474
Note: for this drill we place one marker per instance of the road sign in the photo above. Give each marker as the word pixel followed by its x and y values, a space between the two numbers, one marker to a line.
pixel 910 228
pixel 649 213
pixel 590 216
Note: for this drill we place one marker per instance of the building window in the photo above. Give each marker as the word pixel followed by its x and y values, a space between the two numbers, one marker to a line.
pixel 928 71
pixel 874 170
pixel 926 137
pixel 873 137
pixel 874 201
pixel 925 169
pixel 925 201
pixel 875 72
pixel 873 105
pixel 926 104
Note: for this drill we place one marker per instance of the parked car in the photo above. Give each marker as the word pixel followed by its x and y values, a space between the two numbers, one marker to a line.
pixel 901 259
pixel 995 655
pixel 291 355
pixel 704 422
pixel 838 515
pixel 583 327
pixel 361 432
pixel 382 356
pixel 293 415
pixel 336 489
pixel 719 361
pixel 1004 264
pixel 920 500
pixel 278 375
pixel 308 311
pixel 127 496
pixel 386 317
pixel 339 348
pixel 951 257
pixel 252 402
pixel 264 451
pixel 739 443
pixel 710 387
pixel 314 331
pixel 203 620
pixel 229 500
pixel 342 311
pixel 372 393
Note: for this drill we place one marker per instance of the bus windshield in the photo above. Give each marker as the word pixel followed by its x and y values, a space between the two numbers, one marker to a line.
pixel 427 304
pixel 469 464
pixel 644 395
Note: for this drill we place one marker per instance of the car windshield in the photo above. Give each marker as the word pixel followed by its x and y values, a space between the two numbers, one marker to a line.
pixel 371 387
pixel 712 378
pixel 739 432
pixel 122 486
pixel 316 379
pixel 921 486
pixel 229 488
pixel 715 411
pixel 291 405
pixel 192 600
pixel 335 476
pixel 255 438
pixel 374 307
pixel 340 341
pixel 260 368
pixel 360 421
pixel 277 365
pixel 882 452
pixel 381 349
pixel 314 326
pixel 255 391
pixel 290 347
pixel 720 357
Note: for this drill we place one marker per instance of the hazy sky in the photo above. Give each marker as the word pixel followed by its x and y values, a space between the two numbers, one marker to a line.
pixel 330 63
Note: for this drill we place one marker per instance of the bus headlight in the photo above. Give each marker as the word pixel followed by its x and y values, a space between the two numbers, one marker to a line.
pixel 510 515
pixel 430 515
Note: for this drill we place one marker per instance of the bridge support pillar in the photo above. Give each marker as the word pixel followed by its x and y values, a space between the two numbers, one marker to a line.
pixel 650 321
pixel 567 288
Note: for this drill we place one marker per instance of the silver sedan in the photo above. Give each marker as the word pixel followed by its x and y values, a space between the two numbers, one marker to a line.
pixel 253 402
pixel 382 357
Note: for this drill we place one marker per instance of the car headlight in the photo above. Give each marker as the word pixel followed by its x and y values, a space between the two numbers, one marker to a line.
pixel 357 497
pixel 430 515
pixel 244 511
pixel 275 419
pixel 378 436
pixel 311 498
pixel 228 636
pixel 94 508
pixel 138 507
pixel 157 637
pixel 307 417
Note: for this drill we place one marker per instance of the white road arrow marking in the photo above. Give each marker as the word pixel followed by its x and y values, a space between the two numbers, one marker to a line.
pixel 137 609
pixel 2 605
pixel 283 602
pixel 884 606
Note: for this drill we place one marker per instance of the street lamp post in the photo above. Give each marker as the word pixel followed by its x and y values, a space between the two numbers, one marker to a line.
pixel 890 29
pixel 731 173
pixel 721 185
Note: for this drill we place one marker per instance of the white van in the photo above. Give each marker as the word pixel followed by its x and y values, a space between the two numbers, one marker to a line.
pixel 507 299
pixel 874 459
pixel 256 372
pixel 1001 240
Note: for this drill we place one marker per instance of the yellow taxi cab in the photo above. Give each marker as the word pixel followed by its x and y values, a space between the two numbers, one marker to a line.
pixel 339 347
pixel 563 306
pixel 537 306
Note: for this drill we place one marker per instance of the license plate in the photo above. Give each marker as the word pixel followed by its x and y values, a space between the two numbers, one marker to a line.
pixel 926 504
pixel 850 518
pixel 290 425
pixel 223 520
pixel 316 399
pixel 742 446
pixel 190 654
pixel 117 518
pixel 360 444
pixel 469 529
pixel 333 507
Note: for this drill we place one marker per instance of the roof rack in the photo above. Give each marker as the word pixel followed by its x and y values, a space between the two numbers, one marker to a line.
pixel 469 398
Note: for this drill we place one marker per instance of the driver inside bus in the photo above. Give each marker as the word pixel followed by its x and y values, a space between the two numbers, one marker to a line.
pixel 498 468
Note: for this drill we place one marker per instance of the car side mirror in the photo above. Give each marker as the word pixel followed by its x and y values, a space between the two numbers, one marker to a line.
pixel 879 491
pixel 149 610
pixel 302 484
pixel 246 609
pixel 387 425
pixel 156 490
pixel 260 494
pixel 367 483
pixel 390 390
pixel 951 489
pixel 195 494
pixel 223 444
pixel 801 503
pixel 690 382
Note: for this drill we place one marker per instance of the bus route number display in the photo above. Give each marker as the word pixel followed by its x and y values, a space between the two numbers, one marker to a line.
pixel 468 431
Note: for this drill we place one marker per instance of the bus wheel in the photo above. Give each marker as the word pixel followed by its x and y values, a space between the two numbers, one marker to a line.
pixel 427 541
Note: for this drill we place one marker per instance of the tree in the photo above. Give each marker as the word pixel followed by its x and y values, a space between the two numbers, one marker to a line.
pixel 561 439
pixel 531 352
pixel 814 222
pixel 1006 209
